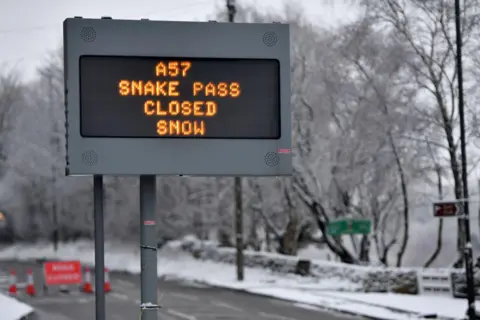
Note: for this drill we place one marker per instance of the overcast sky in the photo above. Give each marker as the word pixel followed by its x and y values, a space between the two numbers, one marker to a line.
pixel 30 28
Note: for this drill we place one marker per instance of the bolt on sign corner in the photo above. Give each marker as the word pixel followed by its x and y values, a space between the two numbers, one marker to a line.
pixel 62 272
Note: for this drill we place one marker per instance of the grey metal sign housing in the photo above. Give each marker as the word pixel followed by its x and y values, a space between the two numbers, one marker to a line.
pixel 147 155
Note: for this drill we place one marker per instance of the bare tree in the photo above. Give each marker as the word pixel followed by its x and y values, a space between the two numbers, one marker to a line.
pixel 378 79
pixel 51 84
pixel 368 108
pixel 11 99
pixel 426 27
pixel 439 172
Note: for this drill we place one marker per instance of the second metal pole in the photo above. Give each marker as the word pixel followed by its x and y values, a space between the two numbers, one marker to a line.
pixel 148 248
pixel 99 247
pixel 239 229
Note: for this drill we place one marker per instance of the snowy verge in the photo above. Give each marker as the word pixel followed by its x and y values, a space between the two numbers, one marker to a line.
pixel 443 307
pixel 365 278
pixel 12 309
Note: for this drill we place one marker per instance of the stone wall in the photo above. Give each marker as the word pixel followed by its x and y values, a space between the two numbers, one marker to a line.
pixel 370 279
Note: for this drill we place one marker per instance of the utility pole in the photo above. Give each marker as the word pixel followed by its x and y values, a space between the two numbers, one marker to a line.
pixel 468 243
pixel 232 10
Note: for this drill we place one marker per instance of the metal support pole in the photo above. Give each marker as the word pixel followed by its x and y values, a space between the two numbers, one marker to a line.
pixel 99 247
pixel 468 243
pixel 239 229
pixel 148 248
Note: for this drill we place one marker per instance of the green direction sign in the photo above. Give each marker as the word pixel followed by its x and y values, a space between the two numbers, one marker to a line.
pixel 349 226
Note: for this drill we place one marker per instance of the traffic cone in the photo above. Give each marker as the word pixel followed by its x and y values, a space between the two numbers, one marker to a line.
pixel 87 284
pixel 12 289
pixel 30 290
pixel 106 286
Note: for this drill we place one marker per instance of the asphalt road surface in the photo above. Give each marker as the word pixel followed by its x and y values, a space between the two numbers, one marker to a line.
pixel 179 301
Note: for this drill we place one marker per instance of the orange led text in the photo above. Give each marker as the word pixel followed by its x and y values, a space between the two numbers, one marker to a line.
pixel 172 68
pixel 184 108
pixel 166 99
pixel 221 89
pixel 148 88
pixel 180 128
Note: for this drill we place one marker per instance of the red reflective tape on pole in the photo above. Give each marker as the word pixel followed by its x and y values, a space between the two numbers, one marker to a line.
pixel 149 223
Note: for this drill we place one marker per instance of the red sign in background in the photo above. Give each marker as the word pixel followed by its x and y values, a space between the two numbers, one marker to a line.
pixel 446 209
pixel 62 272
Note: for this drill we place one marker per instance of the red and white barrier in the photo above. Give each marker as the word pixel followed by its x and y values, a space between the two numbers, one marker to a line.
pixel 12 288
pixel 87 284
pixel 29 286
pixel 107 287
pixel 30 289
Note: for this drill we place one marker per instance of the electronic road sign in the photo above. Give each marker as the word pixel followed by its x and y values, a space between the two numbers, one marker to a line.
pixel 177 98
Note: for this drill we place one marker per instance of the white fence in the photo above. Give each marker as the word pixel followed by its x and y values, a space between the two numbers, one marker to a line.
pixel 435 282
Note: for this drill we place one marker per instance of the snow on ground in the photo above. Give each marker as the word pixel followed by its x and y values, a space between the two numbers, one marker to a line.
pixel 12 309
pixel 172 263
pixel 444 306
pixel 316 253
